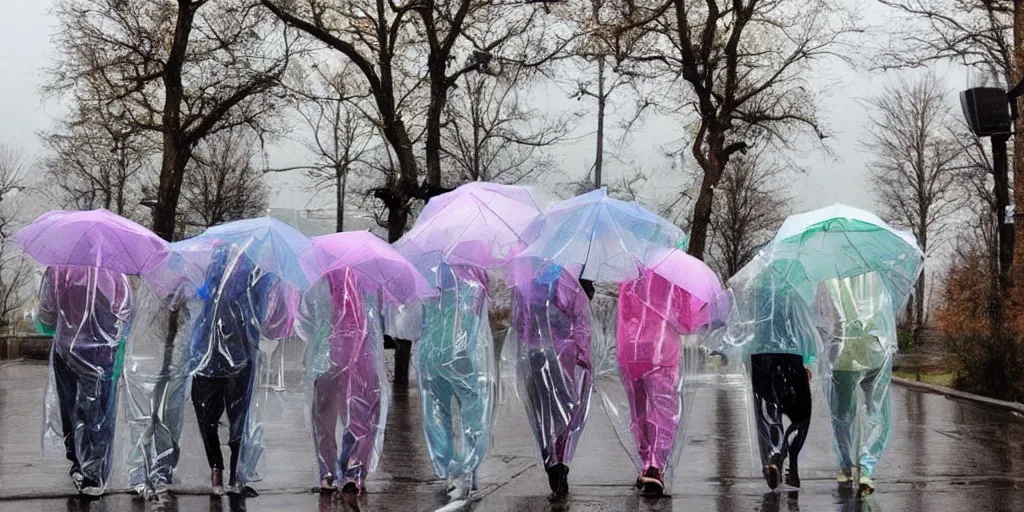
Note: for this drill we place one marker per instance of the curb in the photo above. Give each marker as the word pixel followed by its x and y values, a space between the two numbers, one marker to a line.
pixel 952 393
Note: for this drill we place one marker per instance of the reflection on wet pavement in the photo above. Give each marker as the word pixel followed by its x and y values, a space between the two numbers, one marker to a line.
pixel 944 456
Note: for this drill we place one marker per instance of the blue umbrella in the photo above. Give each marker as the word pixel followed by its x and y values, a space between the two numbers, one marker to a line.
pixel 606 236
pixel 272 245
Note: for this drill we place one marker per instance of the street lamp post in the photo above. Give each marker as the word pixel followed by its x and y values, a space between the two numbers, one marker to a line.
pixel 987 110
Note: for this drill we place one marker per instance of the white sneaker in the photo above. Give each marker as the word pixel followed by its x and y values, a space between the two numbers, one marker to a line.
pixel 867 486
pixel 92 491
pixel 844 477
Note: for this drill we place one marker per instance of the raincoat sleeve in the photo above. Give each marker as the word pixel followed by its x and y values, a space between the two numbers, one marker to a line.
pixel 282 301
pixel 46 312
pixel 803 328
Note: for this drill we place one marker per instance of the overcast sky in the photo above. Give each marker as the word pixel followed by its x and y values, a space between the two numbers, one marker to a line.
pixel 25 49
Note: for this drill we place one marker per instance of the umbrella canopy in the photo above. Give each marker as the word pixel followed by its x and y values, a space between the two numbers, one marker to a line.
pixel 705 300
pixel 840 241
pixel 94 238
pixel 609 238
pixel 377 264
pixel 479 224
pixel 183 266
pixel 273 246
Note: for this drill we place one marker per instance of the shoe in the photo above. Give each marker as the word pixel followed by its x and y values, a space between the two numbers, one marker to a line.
pixel 793 476
pixel 248 492
pixel 866 485
pixel 327 484
pixel 91 490
pixel 350 487
pixel 771 475
pixel 651 484
pixel 217 481
pixel 558 479
pixel 844 477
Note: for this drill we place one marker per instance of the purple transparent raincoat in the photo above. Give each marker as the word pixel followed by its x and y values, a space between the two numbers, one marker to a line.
pixel 340 318
pixel 660 315
pixel 89 311
pixel 551 330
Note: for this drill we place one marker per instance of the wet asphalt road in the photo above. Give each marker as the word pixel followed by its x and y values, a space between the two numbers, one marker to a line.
pixel 944 455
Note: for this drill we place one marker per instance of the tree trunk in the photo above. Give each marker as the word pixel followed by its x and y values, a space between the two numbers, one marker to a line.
pixel 705 199
pixel 176 152
pixel 403 187
pixel 438 99
pixel 172 172
pixel 599 152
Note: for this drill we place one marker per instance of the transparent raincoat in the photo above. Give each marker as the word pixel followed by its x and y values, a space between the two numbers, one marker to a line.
pixel 859 333
pixel 156 380
pixel 658 336
pixel 88 310
pixel 456 365
pixel 239 303
pixel 340 320
pixel 550 332
pixel 855 273
pixel 775 333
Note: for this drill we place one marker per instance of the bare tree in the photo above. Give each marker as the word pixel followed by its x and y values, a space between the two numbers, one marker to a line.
pixel 607 71
pixel 986 35
pixel 917 166
pixel 752 205
pixel 341 136
pixel 744 69
pixel 372 35
pixel 182 69
pixel 96 161
pixel 15 269
pixel 497 35
pixel 222 185
pixel 493 134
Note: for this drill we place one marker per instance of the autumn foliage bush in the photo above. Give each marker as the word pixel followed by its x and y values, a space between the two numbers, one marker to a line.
pixel 981 363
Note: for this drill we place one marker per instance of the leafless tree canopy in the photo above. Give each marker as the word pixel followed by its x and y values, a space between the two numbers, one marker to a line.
pixel 976 33
pixel 493 134
pixel 222 184
pixel 95 161
pixel 15 269
pixel 752 203
pixel 182 69
pixel 917 168
pixel 341 136
pixel 744 71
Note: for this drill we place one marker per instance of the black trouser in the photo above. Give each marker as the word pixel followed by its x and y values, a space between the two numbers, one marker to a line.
pixel 211 396
pixel 781 387
pixel 87 414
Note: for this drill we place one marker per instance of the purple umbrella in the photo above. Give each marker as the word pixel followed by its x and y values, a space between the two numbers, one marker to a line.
pixel 479 224
pixel 95 238
pixel 376 263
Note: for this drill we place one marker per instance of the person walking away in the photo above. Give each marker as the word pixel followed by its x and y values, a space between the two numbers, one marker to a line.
pixel 860 343
pixel 241 303
pixel 551 322
pixel 88 310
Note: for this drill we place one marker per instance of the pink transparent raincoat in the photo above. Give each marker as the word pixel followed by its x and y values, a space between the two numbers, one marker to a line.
pixel 653 316
pixel 551 331
pixel 342 323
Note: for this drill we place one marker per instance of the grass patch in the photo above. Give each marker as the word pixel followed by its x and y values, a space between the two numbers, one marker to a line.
pixel 941 379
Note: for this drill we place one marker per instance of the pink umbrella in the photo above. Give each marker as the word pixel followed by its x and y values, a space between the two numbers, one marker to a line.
pixel 706 301
pixel 376 263
pixel 479 224
pixel 94 238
